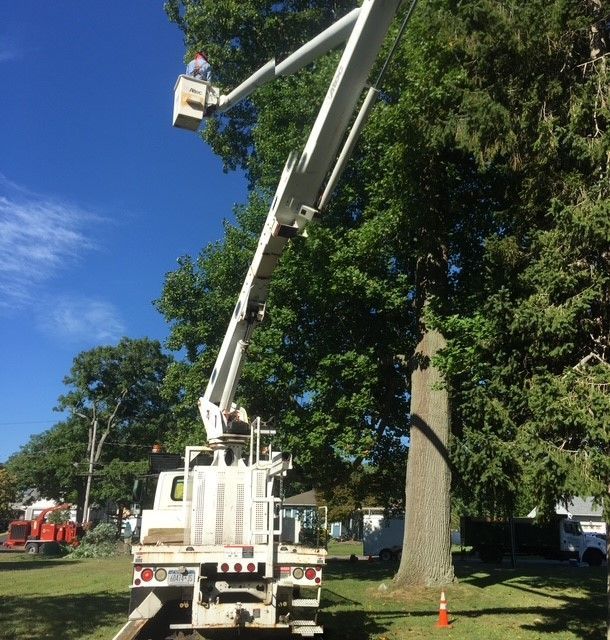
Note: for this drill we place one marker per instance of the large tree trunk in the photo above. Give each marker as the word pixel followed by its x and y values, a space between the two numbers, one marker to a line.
pixel 426 557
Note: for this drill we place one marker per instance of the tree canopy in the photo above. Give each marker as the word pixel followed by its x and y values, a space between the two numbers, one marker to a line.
pixel 118 387
pixel 486 159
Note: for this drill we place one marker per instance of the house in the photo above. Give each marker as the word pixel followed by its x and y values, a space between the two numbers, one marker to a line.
pixel 583 510
pixel 302 518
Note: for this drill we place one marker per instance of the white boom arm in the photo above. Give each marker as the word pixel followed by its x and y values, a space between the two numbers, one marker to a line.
pixel 292 208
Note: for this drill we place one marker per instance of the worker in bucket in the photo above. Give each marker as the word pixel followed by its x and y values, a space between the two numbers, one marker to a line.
pixel 199 67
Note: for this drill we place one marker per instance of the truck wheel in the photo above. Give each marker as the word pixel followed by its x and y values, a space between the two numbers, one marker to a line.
pixel 593 558
pixel 31 548
pixel 385 555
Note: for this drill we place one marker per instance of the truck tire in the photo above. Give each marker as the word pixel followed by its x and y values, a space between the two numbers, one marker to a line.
pixel 31 548
pixel 593 557
pixel 385 555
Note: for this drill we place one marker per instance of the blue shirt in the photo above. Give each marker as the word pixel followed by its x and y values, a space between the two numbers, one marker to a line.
pixel 199 69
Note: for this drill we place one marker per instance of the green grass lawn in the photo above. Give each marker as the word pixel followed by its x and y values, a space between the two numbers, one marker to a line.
pixel 344 549
pixel 58 598
pixel 535 601
pixel 62 599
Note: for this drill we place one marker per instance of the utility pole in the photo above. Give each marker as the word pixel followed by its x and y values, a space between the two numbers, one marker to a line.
pixel 90 471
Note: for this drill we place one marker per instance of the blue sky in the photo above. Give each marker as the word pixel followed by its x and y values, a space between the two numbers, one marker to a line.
pixel 99 195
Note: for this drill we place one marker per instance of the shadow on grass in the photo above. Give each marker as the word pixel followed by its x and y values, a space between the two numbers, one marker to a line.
pixel 19 565
pixel 362 570
pixel 545 576
pixel 359 625
pixel 355 625
pixel 583 614
pixel 580 592
pixel 68 617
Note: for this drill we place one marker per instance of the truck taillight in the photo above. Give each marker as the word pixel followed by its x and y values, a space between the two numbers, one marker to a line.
pixel 147 575
pixel 310 573
pixel 251 567
pixel 160 575
pixel 238 567
pixel 224 567
pixel 297 573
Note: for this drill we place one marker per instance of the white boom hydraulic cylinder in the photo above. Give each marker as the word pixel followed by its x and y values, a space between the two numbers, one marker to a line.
pixel 348 147
pixel 295 202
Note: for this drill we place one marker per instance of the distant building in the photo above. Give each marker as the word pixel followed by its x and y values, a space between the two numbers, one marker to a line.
pixel 302 519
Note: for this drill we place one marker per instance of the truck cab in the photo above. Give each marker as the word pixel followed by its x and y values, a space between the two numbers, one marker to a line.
pixel 165 521
pixel 574 542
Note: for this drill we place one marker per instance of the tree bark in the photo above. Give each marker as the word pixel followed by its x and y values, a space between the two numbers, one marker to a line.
pixel 426 557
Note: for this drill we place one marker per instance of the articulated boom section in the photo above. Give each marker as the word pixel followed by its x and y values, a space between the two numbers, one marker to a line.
pixel 296 199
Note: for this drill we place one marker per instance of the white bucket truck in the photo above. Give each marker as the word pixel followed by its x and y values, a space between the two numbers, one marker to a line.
pixel 210 555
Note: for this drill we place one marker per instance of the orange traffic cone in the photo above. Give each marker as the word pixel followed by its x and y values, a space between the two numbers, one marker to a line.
pixel 443 614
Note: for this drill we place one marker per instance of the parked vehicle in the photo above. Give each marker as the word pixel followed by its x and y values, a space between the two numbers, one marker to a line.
pixel 210 554
pixel 560 538
pixel 40 536
pixel 382 536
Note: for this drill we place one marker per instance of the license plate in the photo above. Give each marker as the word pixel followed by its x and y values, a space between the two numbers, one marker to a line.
pixel 176 577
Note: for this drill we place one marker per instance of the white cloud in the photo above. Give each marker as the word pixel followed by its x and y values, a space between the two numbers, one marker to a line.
pixel 39 236
pixel 82 319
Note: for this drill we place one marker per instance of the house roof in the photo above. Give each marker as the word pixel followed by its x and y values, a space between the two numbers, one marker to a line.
pixel 584 507
pixel 575 507
pixel 307 499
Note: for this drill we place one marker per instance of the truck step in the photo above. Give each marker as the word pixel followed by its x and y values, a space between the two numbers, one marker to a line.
pixel 305 602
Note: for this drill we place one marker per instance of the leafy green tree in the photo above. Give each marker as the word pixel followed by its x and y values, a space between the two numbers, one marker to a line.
pixel 49 462
pixel 528 364
pixel 542 303
pixel 478 196
pixel 115 414
pixel 321 304
pixel 328 364
pixel 8 496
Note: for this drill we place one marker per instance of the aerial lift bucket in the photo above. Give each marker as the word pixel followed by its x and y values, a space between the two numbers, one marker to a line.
pixel 190 97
